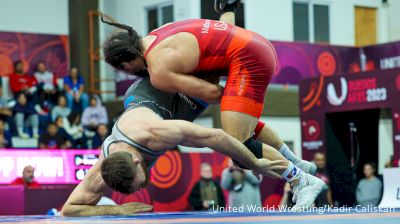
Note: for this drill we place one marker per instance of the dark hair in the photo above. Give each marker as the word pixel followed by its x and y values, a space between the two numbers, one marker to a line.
pixel 371 164
pixel 17 63
pixel 122 46
pixel 58 117
pixel 72 116
pixel 119 171
pixel 40 62
pixel 51 123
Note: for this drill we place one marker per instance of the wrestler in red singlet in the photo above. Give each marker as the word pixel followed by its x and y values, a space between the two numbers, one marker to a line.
pixel 247 58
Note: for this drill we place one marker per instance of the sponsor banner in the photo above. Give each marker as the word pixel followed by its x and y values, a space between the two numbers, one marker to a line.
pixel 32 49
pixel 51 166
pixel 297 61
pixel 376 89
pixel 368 90
pixel 382 56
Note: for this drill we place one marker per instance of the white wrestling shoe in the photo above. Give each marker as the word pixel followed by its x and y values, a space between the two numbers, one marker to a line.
pixel 307 167
pixel 306 191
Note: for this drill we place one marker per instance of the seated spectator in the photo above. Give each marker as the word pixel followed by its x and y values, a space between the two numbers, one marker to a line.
pixel 25 116
pixel 27 179
pixel 59 121
pixel 23 83
pixel 61 109
pixel 74 89
pixel 94 115
pixel 325 197
pixel 5 108
pixel 369 189
pixel 390 162
pixel 5 137
pixel 243 187
pixel 101 135
pixel 73 127
pixel 50 139
pixel 47 86
pixel 287 196
pixel 206 195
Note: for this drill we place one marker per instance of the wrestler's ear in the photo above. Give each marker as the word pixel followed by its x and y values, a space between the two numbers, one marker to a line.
pixel 126 66
pixel 136 161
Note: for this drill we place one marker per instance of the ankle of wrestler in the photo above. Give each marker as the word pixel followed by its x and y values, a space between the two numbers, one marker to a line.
pixel 292 174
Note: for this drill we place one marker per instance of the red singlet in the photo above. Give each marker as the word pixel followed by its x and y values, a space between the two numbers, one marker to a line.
pixel 247 58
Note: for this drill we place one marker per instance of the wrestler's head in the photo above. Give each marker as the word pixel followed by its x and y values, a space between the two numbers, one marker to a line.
pixel 124 172
pixel 123 50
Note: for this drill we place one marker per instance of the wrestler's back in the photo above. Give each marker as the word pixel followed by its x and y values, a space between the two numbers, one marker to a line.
pixel 191 46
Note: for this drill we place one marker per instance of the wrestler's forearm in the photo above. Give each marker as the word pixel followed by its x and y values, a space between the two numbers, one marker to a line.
pixel 91 210
pixel 233 148
pixel 197 136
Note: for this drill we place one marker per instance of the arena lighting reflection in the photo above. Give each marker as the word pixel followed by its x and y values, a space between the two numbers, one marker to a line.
pixel 51 166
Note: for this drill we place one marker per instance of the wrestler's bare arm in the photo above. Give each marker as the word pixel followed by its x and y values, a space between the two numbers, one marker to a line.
pixel 83 200
pixel 163 76
pixel 178 132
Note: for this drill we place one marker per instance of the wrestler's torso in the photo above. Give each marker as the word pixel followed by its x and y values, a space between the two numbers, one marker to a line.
pixel 198 45
pixel 146 106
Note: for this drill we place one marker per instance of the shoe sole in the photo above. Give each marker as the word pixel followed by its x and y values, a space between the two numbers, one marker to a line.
pixel 316 189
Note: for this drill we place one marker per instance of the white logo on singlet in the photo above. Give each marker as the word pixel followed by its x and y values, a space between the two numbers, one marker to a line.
pixel 185 98
pixel 206 26
pixel 216 26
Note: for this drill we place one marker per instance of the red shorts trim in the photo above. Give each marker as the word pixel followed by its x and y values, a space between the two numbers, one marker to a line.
pixel 242 104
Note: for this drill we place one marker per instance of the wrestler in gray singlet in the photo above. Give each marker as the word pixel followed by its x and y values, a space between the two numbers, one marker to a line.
pixel 166 105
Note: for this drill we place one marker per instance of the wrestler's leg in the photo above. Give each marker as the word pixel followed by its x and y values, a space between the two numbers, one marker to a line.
pixel 228 17
pixel 241 126
pixel 268 136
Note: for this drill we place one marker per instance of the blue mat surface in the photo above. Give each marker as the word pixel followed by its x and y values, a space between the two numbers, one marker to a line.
pixel 349 217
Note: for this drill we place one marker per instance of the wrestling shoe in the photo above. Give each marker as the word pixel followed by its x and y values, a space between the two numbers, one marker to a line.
pixel 305 191
pixel 306 166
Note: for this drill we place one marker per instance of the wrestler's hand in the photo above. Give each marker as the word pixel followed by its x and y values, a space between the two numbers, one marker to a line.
pixel 269 168
pixel 221 91
pixel 134 207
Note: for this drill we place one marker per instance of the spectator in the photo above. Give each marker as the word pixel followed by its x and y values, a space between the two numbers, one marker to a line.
pixel 101 135
pixel 390 162
pixel 74 89
pixel 27 179
pixel 5 107
pixel 20 82
pixel 5 138
pixel 59 121
pixel 369 189
pixel 287 196
pixel 47 87
pixel 73 127
pixel 61 109
pixel 325 197
pixel 206 195
pixel 50 139
pixel 23 83
pixel 25 116
pixel 94 115
pixel 243 187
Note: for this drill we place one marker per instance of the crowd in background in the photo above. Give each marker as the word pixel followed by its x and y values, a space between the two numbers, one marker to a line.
pixel 57 113
pixel 244 188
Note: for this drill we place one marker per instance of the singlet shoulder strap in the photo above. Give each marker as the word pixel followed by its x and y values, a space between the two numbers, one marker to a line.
pixel 122 137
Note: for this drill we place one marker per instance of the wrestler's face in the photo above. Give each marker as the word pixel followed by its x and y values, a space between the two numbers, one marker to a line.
pixel 142 177
pixel 134 66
